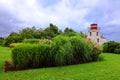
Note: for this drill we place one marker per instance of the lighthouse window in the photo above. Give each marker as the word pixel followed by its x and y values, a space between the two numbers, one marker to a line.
pixel 90 33
pixel 98 40
pixel 97 33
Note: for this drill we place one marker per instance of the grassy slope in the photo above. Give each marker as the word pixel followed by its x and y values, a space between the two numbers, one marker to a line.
pixel 109 69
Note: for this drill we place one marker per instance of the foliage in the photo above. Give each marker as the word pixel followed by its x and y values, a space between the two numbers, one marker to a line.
pixel 12 38
pixel 30 55
pixel 80 51
pixel 117 50
pixel 46 41
pixel 67 30
pixel 37 41
pixel 51 31
pixel 30 33
pixel 27 32
pixel 61 51
pixel 33 33
pixel 83 35
pixel 12 45
pixel 1 40
pixel 31 41
pixel 110 46
pixel 84 51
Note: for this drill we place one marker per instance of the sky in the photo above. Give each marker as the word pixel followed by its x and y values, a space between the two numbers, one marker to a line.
pixel 76 14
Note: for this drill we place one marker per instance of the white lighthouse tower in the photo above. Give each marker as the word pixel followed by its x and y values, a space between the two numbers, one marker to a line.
pixel 94 34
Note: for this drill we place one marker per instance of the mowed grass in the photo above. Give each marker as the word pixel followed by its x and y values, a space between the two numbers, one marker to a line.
pixel 109 69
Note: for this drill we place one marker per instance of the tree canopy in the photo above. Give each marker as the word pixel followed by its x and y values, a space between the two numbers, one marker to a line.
pixel 32 33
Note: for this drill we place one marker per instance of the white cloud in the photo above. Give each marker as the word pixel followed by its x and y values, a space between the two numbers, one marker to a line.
pixel 62 13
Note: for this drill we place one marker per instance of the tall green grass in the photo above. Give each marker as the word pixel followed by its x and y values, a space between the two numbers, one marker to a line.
pixel 31 41
pixel 73 50
pixel 63 50
pixel 30 55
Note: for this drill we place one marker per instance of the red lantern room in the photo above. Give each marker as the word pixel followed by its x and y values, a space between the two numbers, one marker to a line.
pixel 93 27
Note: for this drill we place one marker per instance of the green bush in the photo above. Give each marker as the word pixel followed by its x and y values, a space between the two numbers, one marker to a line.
pixel 75 48
pixel 31 41
pixel 63 50
pixel 46 41
pixel 117 51
pixel 2 40
pixel 110 46
pixel 30 55
pixel 61 53
pixel 81 49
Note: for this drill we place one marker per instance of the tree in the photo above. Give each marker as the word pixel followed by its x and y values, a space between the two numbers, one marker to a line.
pixel 13 38
pixel 67 30
pixel 1 40
pixel 27 32
pixel 110 46
pixel 82 34
pixel 51 31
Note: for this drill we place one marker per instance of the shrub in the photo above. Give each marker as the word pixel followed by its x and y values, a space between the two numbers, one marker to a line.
pixel 30 55
pixel 2 40
pixel 81 49
pixel 110 46
pixel 117 51
pixel 61 53
pixel 63 50
pixel 42 41
pixel 31 41
pixel 96 50
pixel 75 48
pixel 12 45
pixel 47 41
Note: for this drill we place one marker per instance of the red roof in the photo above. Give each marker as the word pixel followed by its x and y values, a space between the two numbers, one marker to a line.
pixel 93 27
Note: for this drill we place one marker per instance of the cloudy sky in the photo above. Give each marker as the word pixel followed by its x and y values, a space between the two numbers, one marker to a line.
pixel 75 14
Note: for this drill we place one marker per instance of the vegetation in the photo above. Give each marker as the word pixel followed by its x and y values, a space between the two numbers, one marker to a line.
pixel 30 56
pixel 103 70
pixel 63 50
pixel 32 33
pixel 37 41
pixel 111 47
pixel 31 41
pixel 1 40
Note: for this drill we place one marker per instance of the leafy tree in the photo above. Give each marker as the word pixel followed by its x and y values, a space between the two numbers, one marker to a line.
pixel 51 31
pixel 110 46
pixel 82 34
pixel 27 32
pixel 67 30
pixel 1 40
pixel 13 38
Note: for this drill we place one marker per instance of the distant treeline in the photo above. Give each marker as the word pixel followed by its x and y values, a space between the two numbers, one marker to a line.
pixel 33 33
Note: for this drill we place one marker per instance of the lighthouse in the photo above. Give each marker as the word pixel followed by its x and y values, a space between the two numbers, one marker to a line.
pixel 94 34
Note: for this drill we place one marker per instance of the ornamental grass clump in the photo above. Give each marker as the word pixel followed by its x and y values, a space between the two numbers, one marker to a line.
pixel 26 56
pixel 63 50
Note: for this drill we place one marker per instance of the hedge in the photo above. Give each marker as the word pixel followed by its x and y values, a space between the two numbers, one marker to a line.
pixel 30 55
pixel 111 47
pixel 63 50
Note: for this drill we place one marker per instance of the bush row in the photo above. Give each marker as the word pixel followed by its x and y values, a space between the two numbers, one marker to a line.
pixel 111 47
pixel 36 41
pixel 63 51
pixel 30 55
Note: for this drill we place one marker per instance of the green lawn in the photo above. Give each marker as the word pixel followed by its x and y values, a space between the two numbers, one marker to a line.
pixel 109 69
